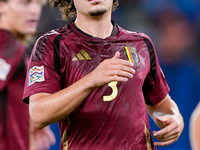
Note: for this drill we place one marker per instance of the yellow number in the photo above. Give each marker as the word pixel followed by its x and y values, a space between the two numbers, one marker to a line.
pixel 113 85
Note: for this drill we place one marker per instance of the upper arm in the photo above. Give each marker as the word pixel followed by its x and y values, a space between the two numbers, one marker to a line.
pixel 42 75
pixel 36 98
pixel 155 87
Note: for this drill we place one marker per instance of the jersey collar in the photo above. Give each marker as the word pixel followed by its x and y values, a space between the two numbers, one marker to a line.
pixel 78 31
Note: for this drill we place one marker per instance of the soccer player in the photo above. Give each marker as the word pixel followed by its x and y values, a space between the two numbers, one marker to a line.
pixel 18 20
pixel 194 128
pixel 98 81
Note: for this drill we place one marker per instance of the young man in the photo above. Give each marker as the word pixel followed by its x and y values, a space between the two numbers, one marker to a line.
pixel 98 81
pixel 18 20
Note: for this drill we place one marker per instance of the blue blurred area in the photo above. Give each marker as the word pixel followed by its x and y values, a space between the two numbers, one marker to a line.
pixel 174 26
pixel 185 85
pixel 184 82
pixel 56 130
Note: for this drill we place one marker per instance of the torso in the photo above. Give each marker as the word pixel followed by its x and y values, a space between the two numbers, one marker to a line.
pixel 113 116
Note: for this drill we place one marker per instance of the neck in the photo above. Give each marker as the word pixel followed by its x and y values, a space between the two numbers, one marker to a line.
pixel 19 36
pixel 100 26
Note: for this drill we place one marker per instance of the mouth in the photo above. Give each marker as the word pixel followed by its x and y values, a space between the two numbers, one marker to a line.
pixel 96 1
pixel 32 22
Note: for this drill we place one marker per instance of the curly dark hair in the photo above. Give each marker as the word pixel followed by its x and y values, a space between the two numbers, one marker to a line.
pixel 68 9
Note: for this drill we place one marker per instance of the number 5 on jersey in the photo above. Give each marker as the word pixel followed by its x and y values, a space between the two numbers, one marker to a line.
pixel 113 85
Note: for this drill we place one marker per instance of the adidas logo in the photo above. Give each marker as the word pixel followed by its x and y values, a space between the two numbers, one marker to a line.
pixel 83 55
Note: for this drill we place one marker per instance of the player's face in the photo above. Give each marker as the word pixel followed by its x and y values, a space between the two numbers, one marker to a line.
pixel 21 16
pixel 93 7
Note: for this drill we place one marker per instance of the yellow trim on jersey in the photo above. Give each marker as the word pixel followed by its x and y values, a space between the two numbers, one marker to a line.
pixel 65 138
pixel 148 137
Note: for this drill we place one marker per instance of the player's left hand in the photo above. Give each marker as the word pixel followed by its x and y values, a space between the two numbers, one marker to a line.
pixel 170 133
pixel 44 138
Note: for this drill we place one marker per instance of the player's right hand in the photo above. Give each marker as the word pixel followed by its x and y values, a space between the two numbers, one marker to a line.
pixel 114 69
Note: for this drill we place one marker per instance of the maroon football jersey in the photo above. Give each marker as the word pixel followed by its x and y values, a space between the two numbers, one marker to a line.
pixel 112 117
pixel 14 117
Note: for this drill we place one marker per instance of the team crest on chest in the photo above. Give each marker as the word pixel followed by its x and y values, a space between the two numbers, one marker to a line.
pixel 36 74
pixel 131 54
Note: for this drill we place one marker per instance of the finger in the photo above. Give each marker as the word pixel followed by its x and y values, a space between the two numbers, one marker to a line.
pixel 167 137
pixel 172 137
pixel 48 138
pixel 165 143
pixel 51 136
pixel 171 134
pixel 45 142
pixel 120 62
pixel 164 119
pixel 123 74
pixel 122 70
pixel 37 143
pixel 116 56
pixel 170 127
pixel 164 131
pixel 118 78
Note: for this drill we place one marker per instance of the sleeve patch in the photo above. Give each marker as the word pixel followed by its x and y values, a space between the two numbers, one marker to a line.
pixel 4 69
pixel 36 74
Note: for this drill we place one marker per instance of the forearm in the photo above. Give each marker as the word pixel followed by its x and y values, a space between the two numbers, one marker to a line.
pixel 166 115
pixel 166 107
pixel 49 108
pixel 55 107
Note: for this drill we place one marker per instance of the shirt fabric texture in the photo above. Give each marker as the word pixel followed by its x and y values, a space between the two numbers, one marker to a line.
pixel 14 117
pixel 121 123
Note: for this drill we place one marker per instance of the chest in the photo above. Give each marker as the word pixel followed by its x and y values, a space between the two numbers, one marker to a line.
pixel 80 57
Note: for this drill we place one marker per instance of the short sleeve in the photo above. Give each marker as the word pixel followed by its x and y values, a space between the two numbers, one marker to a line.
pixel 42 76
pixel 155 86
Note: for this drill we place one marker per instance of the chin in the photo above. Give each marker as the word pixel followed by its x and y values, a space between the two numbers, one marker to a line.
pixel 29 31
pixel 97 12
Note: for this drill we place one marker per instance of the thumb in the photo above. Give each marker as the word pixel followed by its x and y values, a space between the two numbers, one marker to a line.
pixel 163 119
pixel 117 55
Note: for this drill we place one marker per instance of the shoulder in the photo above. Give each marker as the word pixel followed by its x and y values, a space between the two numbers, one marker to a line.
pixel 53 34
pixel 48 39
pixel 7 37
pixel 49 43
pixel 135 34
pixel 9 45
